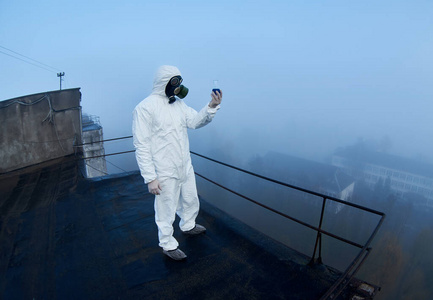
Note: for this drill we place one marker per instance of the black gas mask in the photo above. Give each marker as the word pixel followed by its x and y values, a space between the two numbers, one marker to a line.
pixel 174 88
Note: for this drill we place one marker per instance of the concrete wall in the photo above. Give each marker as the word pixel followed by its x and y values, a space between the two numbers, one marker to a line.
pixel 39 127
pixel 92 137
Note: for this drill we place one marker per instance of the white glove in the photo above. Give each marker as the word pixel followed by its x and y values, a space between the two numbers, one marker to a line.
pixel 216 99
pixel 154 187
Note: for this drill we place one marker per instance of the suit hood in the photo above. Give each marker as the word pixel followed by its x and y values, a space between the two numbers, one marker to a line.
pixel 162 76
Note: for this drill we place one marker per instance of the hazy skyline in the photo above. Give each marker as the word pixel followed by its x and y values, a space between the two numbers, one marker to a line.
pixel 298 77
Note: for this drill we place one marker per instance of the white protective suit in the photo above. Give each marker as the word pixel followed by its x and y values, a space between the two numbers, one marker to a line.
pixel 162 152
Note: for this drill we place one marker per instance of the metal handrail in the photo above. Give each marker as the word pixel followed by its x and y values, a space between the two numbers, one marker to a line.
pixel 350 271
pixel 353 268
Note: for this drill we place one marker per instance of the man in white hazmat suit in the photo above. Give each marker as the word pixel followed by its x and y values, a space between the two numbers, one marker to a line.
pixel 159 128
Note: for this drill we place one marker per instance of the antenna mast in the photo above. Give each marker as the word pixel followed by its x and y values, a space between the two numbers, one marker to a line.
pixel 61 74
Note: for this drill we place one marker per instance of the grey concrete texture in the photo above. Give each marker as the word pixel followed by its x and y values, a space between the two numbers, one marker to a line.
pixel 38 128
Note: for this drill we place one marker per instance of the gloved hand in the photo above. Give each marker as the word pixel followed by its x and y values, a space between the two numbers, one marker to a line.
pixel 216 99
pixel 154 187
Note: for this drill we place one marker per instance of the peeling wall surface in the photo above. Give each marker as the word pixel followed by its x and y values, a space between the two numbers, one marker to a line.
pixel 38 128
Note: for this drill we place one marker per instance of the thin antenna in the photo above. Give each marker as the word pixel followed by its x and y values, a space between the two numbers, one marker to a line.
pixel 61 74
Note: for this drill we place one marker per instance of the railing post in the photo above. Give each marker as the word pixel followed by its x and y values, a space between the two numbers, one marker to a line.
pixel 318 238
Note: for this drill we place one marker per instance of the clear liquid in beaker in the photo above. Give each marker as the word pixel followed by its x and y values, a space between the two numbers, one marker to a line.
pixel 216 87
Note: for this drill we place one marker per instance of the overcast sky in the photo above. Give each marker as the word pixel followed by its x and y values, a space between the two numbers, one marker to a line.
pixel 299 77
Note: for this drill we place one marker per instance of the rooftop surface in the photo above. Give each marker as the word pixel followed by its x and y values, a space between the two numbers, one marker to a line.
pixel 65 237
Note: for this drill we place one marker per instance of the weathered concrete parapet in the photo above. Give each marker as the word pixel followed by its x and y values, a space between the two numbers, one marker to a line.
pixel 93 147
pixel 38 128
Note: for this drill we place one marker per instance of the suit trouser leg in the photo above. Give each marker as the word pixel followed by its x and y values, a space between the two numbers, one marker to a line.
pixel 165 212
pixel 189 204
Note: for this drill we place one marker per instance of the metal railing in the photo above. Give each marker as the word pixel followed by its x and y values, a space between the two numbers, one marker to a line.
pixel 357 262
pixel 360 258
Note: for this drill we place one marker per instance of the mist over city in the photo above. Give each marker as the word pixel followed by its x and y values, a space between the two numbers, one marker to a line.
pixel 320 95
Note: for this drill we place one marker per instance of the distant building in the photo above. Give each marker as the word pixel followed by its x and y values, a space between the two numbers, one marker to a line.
pixel 405 175
pixel 93 147
pixel 322 178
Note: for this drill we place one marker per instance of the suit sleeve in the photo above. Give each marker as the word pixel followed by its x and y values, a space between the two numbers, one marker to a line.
pixel 142 138
pixel 199 119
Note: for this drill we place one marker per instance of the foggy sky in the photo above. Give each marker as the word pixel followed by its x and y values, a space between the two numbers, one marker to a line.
pixel 299 77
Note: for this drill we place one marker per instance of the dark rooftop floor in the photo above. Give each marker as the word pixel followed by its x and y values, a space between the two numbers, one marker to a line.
pixel 64 237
